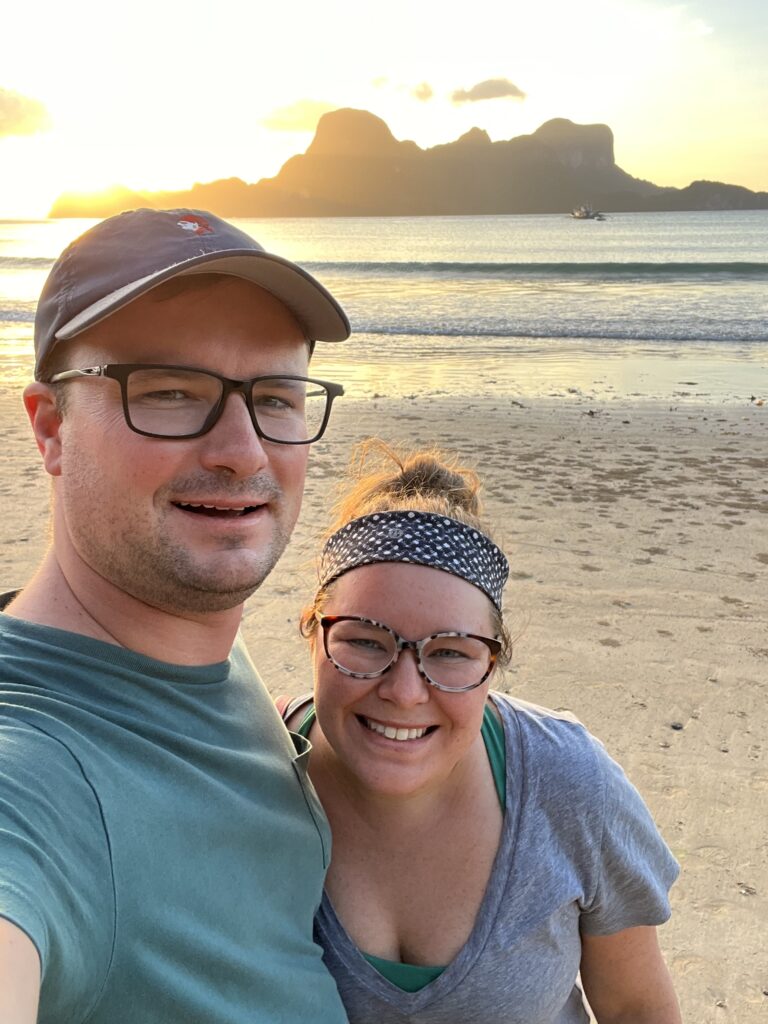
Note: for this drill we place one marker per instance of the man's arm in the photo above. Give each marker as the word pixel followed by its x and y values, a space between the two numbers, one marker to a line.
pixel 626 980
pixel 19 976
pixel 56 890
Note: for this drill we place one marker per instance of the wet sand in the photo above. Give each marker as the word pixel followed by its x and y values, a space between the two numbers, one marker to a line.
pixel 638 537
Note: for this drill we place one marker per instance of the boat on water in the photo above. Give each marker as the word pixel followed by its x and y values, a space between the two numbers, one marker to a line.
pixel 585 212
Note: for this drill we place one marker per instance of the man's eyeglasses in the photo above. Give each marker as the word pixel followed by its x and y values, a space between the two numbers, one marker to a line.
pixel 449 661
pixel 179 402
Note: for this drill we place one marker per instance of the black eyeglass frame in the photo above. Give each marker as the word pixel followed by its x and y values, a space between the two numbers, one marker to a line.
pixel 417 646
pixel 121 371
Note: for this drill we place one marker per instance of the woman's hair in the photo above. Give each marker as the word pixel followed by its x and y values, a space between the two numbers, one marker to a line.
pixel 382 478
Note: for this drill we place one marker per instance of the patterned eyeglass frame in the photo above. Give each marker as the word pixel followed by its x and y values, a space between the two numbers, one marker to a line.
pixel 417 646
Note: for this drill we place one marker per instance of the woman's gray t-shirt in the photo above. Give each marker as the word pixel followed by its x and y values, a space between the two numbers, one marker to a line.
pixel 579 852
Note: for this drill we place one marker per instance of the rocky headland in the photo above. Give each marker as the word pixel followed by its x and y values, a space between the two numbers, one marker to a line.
pixel 355 166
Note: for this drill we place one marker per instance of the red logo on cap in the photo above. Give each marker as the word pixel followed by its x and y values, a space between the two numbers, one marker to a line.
pixel 195 225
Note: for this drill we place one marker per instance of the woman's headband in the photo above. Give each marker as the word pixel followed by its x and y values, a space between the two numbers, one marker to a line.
pixel 422 538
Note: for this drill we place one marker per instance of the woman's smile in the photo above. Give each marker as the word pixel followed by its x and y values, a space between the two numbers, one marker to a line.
pixel 399 733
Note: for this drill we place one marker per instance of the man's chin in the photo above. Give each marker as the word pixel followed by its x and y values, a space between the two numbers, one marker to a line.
pixel 198 599
pixel 177 581
pixel 198 590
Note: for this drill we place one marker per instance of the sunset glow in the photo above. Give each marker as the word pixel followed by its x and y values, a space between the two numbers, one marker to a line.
pixel 186 92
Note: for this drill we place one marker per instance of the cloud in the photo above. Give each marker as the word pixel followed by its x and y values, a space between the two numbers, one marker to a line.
pixel 701 28
pixel 423 92
pixel 21 115
pixel 490 89
pixel 301 116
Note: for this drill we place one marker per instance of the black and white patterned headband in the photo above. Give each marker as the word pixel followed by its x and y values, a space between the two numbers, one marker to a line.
pixel 423 538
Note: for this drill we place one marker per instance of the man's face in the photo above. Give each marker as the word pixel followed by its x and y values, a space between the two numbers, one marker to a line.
pixel 132 506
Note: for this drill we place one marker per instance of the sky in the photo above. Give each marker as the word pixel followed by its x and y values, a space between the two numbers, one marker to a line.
pixel 159 94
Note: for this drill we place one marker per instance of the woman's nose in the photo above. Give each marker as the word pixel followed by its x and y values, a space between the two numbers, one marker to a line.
pixel 404 683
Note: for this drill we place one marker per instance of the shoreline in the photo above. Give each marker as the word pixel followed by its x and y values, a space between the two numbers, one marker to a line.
pixel 637 532
pixel 527 369
pixel 542 368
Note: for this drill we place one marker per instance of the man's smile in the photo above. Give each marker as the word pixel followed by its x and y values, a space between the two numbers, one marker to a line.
pixel 216 510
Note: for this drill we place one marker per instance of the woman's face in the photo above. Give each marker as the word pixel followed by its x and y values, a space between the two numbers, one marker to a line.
pixel 415 601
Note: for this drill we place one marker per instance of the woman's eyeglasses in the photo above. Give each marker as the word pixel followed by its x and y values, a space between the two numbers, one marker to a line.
pixel 449 661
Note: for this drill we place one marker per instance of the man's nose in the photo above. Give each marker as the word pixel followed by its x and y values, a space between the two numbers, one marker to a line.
pixel 232 443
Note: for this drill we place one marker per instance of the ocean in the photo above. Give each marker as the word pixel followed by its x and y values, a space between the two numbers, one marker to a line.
pixel 654 306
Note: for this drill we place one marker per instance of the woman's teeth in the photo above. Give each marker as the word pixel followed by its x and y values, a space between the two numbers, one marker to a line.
pixel 392 733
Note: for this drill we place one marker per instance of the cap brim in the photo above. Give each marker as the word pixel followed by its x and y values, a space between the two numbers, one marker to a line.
pixel 315 309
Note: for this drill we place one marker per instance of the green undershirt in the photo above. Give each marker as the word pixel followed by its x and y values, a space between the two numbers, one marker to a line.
pixel 410 977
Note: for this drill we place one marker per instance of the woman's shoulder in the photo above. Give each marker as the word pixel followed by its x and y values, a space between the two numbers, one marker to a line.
pixel 293 710
pixel 535 722
pixel 554 749
pixel 564 765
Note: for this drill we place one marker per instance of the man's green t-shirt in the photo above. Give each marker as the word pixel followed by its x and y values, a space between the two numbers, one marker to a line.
pixel 159 840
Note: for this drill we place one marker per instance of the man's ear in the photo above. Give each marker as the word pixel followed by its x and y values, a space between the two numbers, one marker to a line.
pixel 40 403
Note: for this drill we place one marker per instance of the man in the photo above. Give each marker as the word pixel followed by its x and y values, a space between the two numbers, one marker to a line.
pixel 161 852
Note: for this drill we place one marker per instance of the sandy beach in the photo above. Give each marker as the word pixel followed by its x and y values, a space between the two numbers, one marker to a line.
pixel 638 537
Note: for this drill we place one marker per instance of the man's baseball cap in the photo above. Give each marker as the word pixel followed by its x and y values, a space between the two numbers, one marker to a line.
pixel 127 255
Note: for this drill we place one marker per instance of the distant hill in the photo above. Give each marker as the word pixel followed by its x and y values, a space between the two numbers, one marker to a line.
pixel 356 167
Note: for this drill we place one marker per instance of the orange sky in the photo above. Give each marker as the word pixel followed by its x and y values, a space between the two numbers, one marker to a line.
pixel 191 91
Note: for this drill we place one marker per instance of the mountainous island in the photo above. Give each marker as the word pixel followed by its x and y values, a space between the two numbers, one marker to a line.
pixel 356 167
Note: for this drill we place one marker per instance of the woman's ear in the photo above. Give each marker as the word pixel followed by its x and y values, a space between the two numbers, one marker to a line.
pixel 40 403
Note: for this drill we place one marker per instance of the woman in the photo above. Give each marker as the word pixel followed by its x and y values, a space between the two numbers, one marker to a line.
pixel 484 850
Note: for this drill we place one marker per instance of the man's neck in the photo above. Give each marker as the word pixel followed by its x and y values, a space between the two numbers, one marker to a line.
pixel 94 607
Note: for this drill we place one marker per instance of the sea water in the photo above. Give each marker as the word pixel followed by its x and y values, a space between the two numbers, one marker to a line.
pixel 670 305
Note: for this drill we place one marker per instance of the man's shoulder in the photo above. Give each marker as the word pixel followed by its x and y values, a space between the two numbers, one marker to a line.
pixel 37 736
pixel 31 746
pixel 34 659
pixel 29 634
